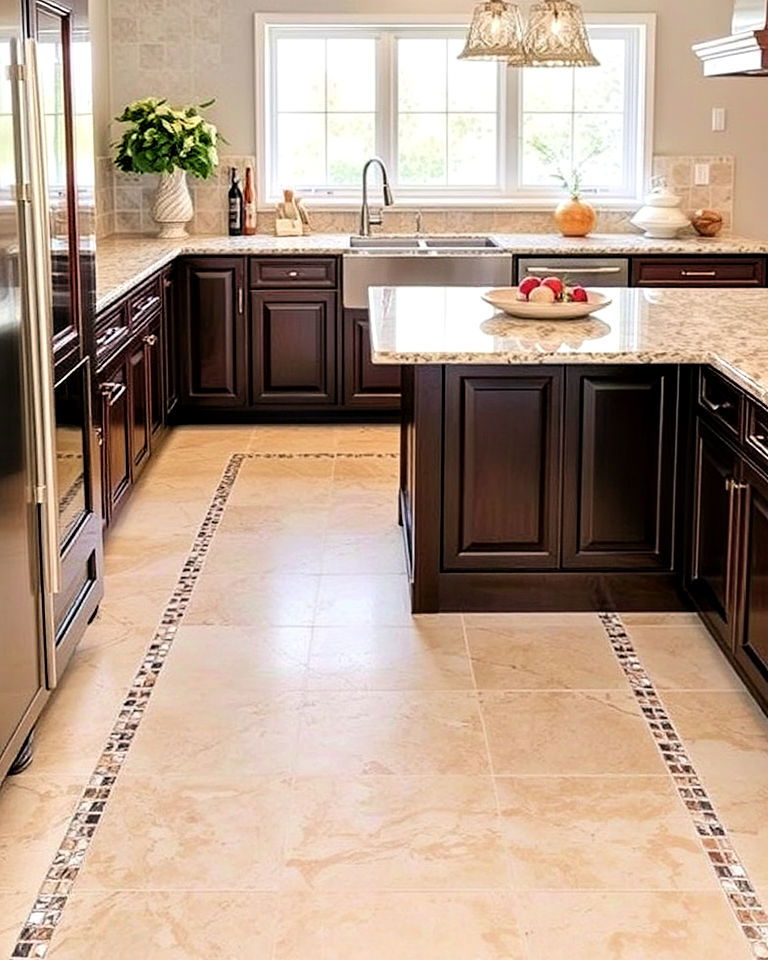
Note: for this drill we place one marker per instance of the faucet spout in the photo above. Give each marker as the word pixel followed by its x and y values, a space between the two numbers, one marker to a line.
pixel 367 219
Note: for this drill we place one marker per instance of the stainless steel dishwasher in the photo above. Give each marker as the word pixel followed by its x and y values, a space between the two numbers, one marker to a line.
pixel 577 271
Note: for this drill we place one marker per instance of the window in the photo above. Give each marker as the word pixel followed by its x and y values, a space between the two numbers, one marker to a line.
pixel 335 93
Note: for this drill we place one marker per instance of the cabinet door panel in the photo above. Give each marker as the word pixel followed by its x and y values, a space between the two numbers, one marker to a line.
pixel 502 473
pixel 294 347
pixel 213 332
pixel 138 391
pixel 116 428
pixel 170 360
pixel 752 646
pixel 619 468
pixel 710 567
pixel 366 384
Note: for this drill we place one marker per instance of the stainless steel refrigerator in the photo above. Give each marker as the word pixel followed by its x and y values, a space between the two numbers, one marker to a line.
pixel 50 525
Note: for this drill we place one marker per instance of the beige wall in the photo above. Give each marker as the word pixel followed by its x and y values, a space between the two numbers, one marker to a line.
pixel 212 53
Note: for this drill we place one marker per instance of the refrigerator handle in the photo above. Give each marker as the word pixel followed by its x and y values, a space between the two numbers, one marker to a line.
pixel 41 333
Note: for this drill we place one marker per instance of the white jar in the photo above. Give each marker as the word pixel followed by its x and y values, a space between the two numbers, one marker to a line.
pixel 661 217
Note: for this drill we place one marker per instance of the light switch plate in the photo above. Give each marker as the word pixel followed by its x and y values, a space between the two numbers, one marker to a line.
pixel 701 174
pixel 718 119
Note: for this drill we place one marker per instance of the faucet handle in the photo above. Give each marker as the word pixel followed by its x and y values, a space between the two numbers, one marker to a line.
pixel 375 218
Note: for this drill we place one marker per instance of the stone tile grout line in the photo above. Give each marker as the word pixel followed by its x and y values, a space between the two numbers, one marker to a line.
pixel 730 872
pixel 37 932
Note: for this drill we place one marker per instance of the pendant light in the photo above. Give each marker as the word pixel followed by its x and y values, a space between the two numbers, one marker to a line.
pixel 557 36
pixel 495 33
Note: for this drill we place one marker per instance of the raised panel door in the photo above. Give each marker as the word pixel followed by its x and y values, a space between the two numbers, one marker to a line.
pixel 620 467
pixel 502 469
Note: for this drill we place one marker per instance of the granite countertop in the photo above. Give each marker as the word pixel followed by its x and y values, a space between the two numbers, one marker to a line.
pixel 123 262
pixel 724 328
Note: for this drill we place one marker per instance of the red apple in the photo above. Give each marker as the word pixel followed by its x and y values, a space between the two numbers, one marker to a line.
pixel 579 295
pixel 555 284
pixel 530 283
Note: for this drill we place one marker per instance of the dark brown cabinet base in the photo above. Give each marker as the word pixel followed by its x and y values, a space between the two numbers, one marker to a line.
pixel 520 489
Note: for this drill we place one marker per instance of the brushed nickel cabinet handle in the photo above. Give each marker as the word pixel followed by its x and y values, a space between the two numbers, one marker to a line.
pixel 716 407
pixel 698 273
pixel 112 392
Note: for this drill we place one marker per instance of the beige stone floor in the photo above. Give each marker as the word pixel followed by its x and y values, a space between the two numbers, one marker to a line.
pixel 320 776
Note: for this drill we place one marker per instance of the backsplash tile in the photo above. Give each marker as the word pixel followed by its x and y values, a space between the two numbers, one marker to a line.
pixel 125 204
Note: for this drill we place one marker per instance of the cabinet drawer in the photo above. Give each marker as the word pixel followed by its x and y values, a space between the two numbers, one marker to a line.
pixel 146 301
pixel 111 332
pixel 721 400
pixel 301 272
pixel 757 433
pixel 698 272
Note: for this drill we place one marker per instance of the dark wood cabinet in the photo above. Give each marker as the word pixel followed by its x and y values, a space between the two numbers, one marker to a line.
pixel 721 271
pixel 366 384
pixel 154 342
pixel 712 562
pixel 293 347
pixel 116 429
pixel 212 332
pixel 620 467
pixel 138 399
pixel 169 349
pixel 501 496
pixel 751 641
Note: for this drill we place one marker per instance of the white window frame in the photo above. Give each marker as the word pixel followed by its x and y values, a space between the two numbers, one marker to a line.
pixel 505 192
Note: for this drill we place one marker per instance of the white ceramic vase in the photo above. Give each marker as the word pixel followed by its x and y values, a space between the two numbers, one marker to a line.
pixel 173 205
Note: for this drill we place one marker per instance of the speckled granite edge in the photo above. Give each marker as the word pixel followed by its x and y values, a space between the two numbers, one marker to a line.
pixel 124 262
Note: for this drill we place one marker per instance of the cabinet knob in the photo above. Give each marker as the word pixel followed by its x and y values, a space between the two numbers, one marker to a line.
pixel 150 339
pixel 293 273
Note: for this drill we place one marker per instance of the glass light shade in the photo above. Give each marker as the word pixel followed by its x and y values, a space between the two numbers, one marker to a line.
pixel 495 33
pixel 557 36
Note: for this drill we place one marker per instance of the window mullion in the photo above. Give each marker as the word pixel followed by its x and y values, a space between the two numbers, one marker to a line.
pixel 386 93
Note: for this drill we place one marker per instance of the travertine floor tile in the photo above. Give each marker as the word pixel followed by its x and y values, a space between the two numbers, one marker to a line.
pixel 292 438
pixel 288 552
pixel 508 654
pixel 391 733
pixel 236 663
pixel 395 833
pixel 14 908
pixel 223 735
pixel 181 925
pixel 600 833
pixel 267 522
pixel 34 813
pixel 368 438
pixel 682 657
pixel 194 833
pixel 726 733
pixel 568 734
pixel 428 654
pixel 381 553
pixel 363 600
pixel 380 926
pixel 279 600
pixel 631 926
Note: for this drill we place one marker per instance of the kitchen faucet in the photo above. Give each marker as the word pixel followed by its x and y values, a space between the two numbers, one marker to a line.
pixel 368 219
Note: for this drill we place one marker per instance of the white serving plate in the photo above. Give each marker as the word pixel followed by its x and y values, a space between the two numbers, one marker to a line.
pixel 505 298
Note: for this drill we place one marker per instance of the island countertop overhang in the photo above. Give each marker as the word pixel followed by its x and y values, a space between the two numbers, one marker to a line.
pixel 725 328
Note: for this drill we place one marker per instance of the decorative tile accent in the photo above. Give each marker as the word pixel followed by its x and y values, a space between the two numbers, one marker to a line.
pixel 35 936
pixel 730 871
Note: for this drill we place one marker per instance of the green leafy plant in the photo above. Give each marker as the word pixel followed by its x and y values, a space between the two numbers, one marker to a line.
pixel 569 175
pixel 162 139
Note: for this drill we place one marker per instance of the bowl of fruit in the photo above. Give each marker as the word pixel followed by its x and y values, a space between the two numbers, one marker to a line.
pixel 547 299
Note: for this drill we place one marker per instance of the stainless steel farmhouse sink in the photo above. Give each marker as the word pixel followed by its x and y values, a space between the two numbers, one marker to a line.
pixel 374 262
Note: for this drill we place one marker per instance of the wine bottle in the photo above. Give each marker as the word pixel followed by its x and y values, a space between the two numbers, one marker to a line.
pixel 249 199
pixel 235 205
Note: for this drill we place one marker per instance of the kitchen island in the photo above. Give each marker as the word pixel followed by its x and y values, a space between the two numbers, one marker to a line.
pixel 569 466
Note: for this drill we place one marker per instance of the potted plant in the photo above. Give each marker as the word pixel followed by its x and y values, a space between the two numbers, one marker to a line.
pixel 574 217
pixel 173 143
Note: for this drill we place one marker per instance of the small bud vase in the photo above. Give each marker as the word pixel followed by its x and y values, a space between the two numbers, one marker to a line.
pixel 173 205
pixel 575 218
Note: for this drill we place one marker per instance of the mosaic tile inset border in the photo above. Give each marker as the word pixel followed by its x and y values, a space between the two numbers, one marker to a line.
pixel 730 871
pixel 40 925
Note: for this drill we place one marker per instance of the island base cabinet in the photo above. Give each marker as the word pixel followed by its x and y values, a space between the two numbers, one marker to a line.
pixel 710 577
pixel 620 467
pixel 501 493
pixel 751 647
